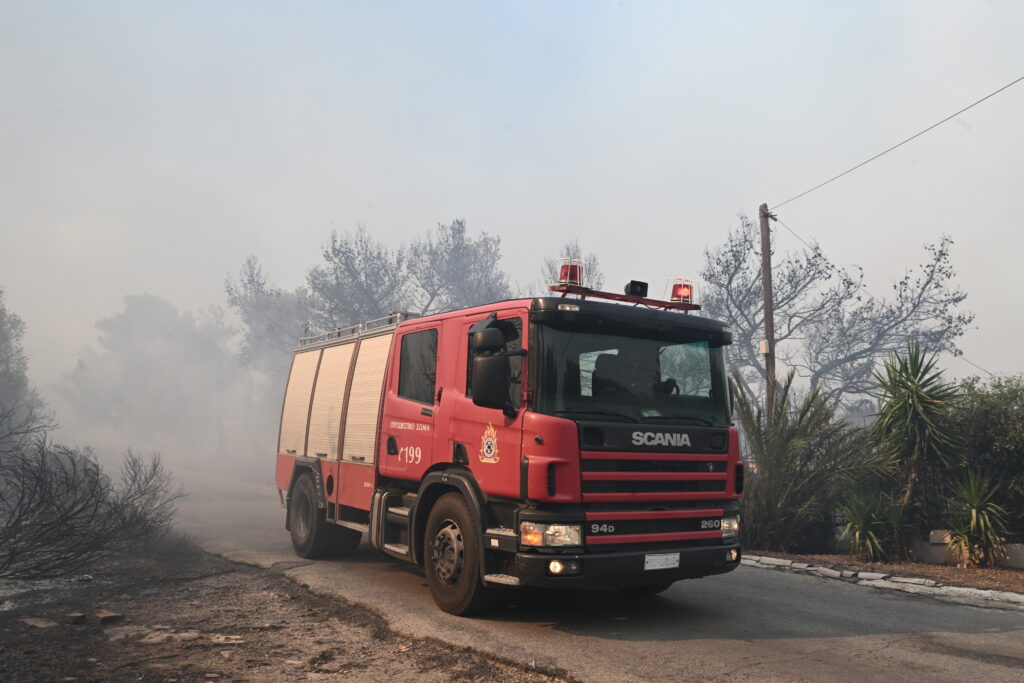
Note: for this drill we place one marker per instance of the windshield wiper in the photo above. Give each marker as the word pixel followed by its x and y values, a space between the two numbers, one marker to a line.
pixel 609 413
pixel 689 418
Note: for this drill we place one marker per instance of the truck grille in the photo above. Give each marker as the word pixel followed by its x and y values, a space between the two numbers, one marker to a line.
pixel 651 486
pixel 641 501
pixel 653 465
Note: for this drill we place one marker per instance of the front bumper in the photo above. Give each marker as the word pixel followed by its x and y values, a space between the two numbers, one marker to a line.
pixel 618 569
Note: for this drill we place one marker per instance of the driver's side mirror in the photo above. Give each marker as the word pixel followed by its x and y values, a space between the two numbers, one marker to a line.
pixel 489 340
pixel 490 380
pixel 490 369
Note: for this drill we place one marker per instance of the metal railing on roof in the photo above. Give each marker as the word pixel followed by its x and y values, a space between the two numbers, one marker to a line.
pixel 354 331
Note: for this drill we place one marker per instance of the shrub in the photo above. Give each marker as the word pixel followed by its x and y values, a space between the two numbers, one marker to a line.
pixel 799 466
pixel 864 527
pixel 990 417
pixel 877 525
pixel 60 513
pixel 977 524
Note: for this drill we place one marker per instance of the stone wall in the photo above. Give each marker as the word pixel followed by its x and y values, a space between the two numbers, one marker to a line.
pixel 933 551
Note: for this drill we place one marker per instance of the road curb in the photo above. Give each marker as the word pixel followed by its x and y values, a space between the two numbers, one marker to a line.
pixel 905 584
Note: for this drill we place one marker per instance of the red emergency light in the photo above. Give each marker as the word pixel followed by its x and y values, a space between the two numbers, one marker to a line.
pixel 570 274
pixel 682 291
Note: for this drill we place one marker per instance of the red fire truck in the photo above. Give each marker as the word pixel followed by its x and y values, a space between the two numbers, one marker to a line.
pixel 580 440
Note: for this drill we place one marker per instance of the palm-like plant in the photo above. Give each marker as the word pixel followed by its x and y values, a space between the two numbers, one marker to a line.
pixel 913 425
pixel 977 534
pixel 864 527
pixel 800 464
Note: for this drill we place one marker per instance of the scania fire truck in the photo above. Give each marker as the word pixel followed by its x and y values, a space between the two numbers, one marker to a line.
pixel 582 439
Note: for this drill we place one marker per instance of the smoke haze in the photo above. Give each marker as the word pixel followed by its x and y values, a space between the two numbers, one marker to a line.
pixel 149 149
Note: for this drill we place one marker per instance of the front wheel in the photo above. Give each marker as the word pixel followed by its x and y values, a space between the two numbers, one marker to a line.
pixel 452 557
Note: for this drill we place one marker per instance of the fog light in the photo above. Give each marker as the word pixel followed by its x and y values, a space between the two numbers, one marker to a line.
pixel 734 555
pixel 563 567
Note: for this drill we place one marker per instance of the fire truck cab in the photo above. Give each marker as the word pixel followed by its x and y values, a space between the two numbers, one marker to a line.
pixel 555 442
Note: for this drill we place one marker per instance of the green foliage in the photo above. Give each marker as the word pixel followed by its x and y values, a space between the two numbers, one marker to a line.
pixel 899 531
pixel 799 467
pixel 977 534
pixel 864 526
pixel 877 525
pixel 913 426
pixel 989 416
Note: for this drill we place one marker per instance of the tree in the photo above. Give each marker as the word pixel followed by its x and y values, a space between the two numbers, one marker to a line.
pixel 449 270
pixel 800 465
pixel 163 380
pixel 914 427
pixel 593 277
pixel 362 279
pixel 22 413
pixel 272 318
pixel 826 325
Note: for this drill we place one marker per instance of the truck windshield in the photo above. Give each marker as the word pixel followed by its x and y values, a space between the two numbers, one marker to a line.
pixel 595 376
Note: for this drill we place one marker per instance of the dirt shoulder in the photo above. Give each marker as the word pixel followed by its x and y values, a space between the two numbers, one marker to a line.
pixel 970 577
pixel 190 616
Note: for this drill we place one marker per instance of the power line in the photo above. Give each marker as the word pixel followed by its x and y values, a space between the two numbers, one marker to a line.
pixel 878 301
pixel 899 144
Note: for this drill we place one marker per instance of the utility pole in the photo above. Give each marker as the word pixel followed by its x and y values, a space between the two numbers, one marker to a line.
pixel 769 315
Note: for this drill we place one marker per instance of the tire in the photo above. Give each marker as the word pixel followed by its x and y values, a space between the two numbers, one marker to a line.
pixel 452 557
pixel 312 535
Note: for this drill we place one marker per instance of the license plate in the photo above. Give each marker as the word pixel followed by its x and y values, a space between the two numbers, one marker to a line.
pixel 661 561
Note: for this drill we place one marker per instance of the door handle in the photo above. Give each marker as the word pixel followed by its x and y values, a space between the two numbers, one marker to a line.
pixel 426 412
pixel 392 446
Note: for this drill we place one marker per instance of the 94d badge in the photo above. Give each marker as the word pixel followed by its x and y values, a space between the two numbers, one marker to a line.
pixel 489 444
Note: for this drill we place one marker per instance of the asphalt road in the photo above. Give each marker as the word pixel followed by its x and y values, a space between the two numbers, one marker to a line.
pixel 750 624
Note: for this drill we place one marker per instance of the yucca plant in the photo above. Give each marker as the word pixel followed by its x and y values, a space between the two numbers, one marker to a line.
pixel 800 464
pixel 913 426
pixel 864 526
pixel 977 533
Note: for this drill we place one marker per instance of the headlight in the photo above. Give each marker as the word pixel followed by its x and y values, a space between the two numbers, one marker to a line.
pixel 730 526
pixel 532 533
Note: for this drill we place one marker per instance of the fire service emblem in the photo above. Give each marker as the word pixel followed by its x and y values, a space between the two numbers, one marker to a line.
pixel 489 444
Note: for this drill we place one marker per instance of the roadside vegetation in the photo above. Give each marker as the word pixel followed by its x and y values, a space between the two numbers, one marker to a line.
pixel 59 511
pixel 936 455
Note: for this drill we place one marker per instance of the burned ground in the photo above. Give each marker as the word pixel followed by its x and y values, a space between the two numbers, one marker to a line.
pixel 187 615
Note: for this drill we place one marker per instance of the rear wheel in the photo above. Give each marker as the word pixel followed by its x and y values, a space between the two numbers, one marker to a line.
pixel 452 557
pixel 312 535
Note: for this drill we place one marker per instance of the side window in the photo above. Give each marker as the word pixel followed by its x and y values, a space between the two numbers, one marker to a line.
pixel 417 366
pixel 512 330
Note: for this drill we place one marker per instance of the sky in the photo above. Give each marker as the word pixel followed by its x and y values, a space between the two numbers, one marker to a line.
pixel 152 147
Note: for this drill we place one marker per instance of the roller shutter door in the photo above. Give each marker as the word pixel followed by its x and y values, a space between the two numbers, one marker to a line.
pixel 364 399
pixel 296 403
pixel 328 398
